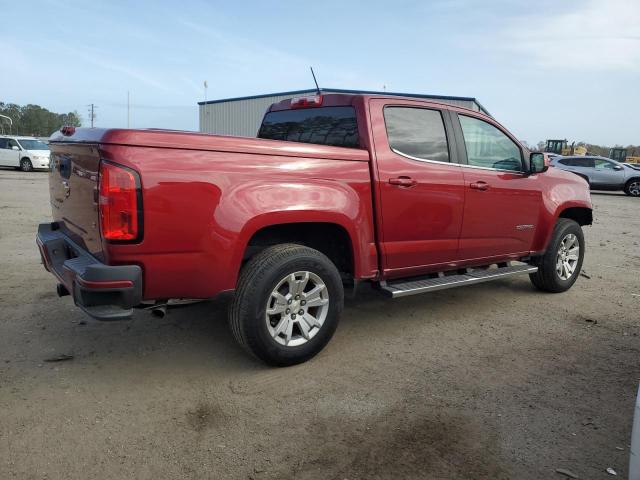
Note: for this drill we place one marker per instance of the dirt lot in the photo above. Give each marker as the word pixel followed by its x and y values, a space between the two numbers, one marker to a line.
pixel 491 381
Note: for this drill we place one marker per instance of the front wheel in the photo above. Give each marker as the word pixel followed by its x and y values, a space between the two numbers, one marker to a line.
pixel 26 165
pixel 632 188
pixel 287 304
pixel 559 267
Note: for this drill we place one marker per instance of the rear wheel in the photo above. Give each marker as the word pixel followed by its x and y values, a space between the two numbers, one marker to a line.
pixel 287 304
pixel 559 267
pixel 632 187
pixel 25 165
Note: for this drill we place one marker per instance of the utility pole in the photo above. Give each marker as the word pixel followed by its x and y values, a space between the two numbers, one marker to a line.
pixel 92 115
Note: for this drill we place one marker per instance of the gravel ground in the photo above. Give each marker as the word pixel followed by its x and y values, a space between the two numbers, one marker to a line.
pixel 491 381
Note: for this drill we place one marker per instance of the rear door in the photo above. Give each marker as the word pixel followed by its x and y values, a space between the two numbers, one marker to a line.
pixel 579 165
pixel 420 186
pixel 584 166
pixel 502 201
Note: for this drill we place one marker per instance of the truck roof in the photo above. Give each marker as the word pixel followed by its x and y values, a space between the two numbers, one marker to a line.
pixel 339 99
pixel 327 91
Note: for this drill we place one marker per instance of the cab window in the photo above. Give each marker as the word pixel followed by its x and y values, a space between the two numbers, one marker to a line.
pixel 417 133
pixel 489 147
pixel 603 164
pixel 584 162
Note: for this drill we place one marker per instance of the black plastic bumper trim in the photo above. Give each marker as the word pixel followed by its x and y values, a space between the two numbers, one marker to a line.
pixel 105 292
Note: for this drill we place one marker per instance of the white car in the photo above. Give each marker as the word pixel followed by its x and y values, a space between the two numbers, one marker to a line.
pixel 25 153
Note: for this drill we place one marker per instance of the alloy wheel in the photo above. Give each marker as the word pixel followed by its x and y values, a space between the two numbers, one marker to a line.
pixel 297 308
pixel 568 255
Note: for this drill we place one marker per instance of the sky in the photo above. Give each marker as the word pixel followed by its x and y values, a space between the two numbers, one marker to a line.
pixel 544 69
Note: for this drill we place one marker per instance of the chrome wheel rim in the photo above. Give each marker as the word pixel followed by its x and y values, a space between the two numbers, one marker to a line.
pixel 568 255
pixel 297 308
pixel 634 189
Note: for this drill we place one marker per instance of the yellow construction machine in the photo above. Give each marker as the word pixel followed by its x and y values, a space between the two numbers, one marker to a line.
pixel 620 155
pixel 561 147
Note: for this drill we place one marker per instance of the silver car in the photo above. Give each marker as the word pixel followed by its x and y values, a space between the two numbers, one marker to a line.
pixel 602 173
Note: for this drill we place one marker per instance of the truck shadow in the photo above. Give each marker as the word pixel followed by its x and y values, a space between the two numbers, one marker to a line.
pixel 198 336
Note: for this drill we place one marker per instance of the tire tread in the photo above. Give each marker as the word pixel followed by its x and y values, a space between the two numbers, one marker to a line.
pixel 545 278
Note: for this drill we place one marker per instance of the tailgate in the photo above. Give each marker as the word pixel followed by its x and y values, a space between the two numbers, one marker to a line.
pixel 73 188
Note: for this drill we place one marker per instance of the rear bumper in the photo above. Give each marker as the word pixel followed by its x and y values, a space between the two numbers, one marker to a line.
pixel 104 292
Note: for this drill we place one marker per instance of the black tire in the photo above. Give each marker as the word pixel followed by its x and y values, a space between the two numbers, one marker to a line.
pixel 547 278
pixel 26 165
pixel 632 187
pixel 259 277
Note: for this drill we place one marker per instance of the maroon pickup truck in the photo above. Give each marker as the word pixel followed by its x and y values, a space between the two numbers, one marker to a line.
pixel 414 196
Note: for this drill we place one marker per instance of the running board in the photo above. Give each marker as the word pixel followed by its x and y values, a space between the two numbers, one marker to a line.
pixel 403 288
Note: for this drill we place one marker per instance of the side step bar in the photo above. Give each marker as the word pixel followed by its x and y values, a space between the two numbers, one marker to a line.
pixel 404 287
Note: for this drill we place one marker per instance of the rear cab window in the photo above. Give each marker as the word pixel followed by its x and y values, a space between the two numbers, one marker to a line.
pixel 335 126
pixel 417 133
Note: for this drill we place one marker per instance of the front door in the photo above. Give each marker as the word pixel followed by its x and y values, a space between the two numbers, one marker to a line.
pixel 502 201
pixel 420 187
pixel 607 174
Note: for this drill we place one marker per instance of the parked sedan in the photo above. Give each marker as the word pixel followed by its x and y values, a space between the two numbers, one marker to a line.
pixel 602 173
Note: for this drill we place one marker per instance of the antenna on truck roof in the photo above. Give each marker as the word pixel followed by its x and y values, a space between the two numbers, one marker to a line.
pixel 314 79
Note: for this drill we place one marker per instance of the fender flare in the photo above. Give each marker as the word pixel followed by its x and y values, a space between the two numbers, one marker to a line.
pixel 291 217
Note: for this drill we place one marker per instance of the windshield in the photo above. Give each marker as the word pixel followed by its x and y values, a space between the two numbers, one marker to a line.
pixel 33 144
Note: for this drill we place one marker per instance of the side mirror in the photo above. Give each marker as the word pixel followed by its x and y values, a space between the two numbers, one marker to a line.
pixel 15 148
pixel 617 167
pixel 538 163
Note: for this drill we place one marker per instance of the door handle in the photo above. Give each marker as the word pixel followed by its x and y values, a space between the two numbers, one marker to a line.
pixel 479 186
pixel 403 181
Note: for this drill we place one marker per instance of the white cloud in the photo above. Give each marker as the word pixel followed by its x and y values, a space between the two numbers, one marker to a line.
pixel 99 60
pixel 599 35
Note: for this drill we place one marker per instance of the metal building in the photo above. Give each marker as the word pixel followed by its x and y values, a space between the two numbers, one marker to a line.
pixel 243 115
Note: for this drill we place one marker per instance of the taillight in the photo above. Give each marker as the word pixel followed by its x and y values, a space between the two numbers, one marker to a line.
pixel 119 203
pixel 308 101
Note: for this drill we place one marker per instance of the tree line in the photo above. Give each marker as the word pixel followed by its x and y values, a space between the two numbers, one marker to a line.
pixel 34 120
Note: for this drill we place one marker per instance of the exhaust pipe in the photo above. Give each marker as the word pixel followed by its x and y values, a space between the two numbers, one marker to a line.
pixel 160 311
pixel 61 290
